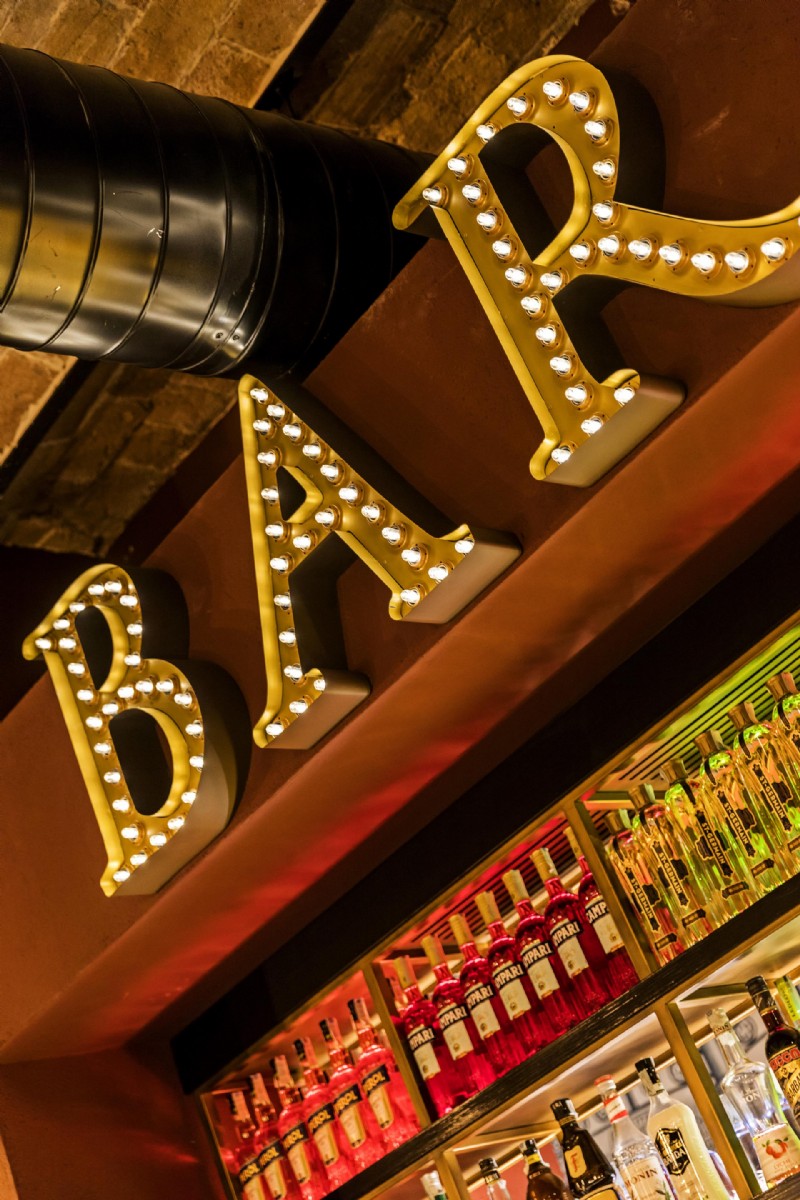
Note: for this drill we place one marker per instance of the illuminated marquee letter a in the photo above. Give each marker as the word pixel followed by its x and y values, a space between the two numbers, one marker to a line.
pixel 589 423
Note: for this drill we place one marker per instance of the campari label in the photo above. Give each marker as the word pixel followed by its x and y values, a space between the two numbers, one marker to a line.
pixel 602 923
pixel 420 1042
pixel 564 937
pixel 479 1002
pixel 536 961
pixel 452 1020
pixel 508 981
pixel 786 1065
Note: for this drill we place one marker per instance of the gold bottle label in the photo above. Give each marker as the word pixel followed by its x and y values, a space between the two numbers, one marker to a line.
pixel 786 1065
pixel 347 1106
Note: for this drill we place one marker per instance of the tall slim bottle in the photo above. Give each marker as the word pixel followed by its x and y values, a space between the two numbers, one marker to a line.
pixel 298 1146
pixel 620 974
pixel 444 1083
pixel 483 1002
pixel 776 1146
pixel 673 1127
pixel 574 942
pixel 589 1171
pixel 320 1117
pixel 721 791
pixel 543 1184
pixel 362 1136
pixel 276 1176
pixel 783 1043
pixel 521 1003
pixel 695 905
pixel 785 724
pixel 458 1028
pixel 766 781
pixel 496 1186
pixel 535 951
pixel 634 1153
pixel 381 1081
pixel 708 840
pixel 243 1155
pixel 643 891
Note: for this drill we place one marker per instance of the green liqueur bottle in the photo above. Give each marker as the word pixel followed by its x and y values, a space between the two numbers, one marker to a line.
pixel 590 1172
pixel 709 840
pixel 721 793
pixel 637 883
pixel 765 778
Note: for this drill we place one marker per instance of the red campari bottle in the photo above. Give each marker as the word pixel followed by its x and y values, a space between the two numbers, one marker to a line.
pixel 298 1145
pixel 320 1117
pixel 363 1137
pixel 445 1085
pixel 484 1004
pixel 277 1180
pixel 513 985
pixel 381 1081
pixel 242 1156
pixel 546 971
pixel 572 939
pixel 458 1028
pixel 619 971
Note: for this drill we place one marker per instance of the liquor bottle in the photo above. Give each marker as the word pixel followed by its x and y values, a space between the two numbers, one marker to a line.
pixel 445 1085
pixel 298 1146
pixel 721 792
pixel 276 1176
pixel 244 1153
pixel 545 969
pixel 673 1127
pixel 320 1117
pixel 362 1135
pixel 691 897
pixel 381 1082
pixel 785 724
pixel 642 889
pixel 432 1186
pixel 520 1001
pixel 485 1006
pixel 783 1043
pixel 458 1028
pixel 789 998
pixel 766 780
pixel 708 840
pixel 496 1186
pixel 620 974
pixel 543 1184
pixel 572 939
pixel 634 1153
pixel 589 1171
pixel 776 1145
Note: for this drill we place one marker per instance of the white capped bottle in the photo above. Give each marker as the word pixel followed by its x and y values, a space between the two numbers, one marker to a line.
pixel 634 1153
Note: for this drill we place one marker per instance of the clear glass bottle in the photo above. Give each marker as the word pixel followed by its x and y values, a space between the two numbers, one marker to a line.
pixel 644 893
pixel 574 942
pixel 432 1186
pixel 546 972
pixel 589 1171
pixel 673 1127
pixel 619 972
pixel 634 1153
pixel 528 1018
pixel 458 1028
pixel 694 902
pixel 485 1005
pixel 768 784
pixel 708 841
pixel 744 1083
pixel 721 792
pixel 496 1186
pixel 543 1184
pixel 444 1084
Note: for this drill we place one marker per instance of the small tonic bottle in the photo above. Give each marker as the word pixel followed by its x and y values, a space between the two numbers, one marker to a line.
pixel 620 974
pixel 458 1028
pixel 519 998
pixel 381 1082
pixel 496 1186
pixel 298 1145
pixel 782 1047
pixel 277 1179
pixel 485 1006
pixel 644 893
pixel 546 971
pixel 445 1085
pixel 574 942
pixel 543 1183
pixel 589 1171
pixel 766 782
pixel 634 1153
pixel 356 1121
pixel 320 1117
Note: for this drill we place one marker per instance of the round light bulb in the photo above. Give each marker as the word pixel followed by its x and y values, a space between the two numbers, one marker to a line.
pixel 262 426
pixel 129 600
pixel 282 600
pixel 157 839
pixel 464 546
pixel 604 211
pixel 195 729
pixel 167 686
pixel 189 797
pixel 76 669
pixel 412 555
pixel 641 248
pixel 502 248
pixel 287 637
pixel 393 534
pixel 298 707
pixel 592 424
pixel 268 458
pixel 704 261
pixel 610 245
pixel 577 394
pixel 320 685
pixel 486 132
pixel 113 587
pixel 737 261
pixel 553 89
pixel 671 254
pixel 130 833
pixel 547 335
pixel 371 511
pixel 85 695
pixel 61 623
pixel 134 629
pixel 303 542
pixel 94 722
pixel 773 249
pixel 350 493
pixel 325 517
pixel 561 364
pixel 176 823
pixel 533 305
pixel 280 563
pixel 411 596
pixel 624 394
pixel 561 454
pixel 596 129
pixel 488 220
pixel 517 276
pixel 312 450
pixel 103 749
pixel 293 431
pixel 133 659
pixel 183 699
pixel 580 101
pixel 472 192
pixel 331 471
pixel 552 280
pixel 605 169
pixel 121 875
pixel 581 252
pixel 293 672
pixel 126 691
pixel 518 105
pixel 121 804
pixel 196 762
pixel 95 589
pixel 110 709
pixel 274 729
pixel 439 572
pixel 43 643
pixel 138 859
pixel 434 195
pixel 67 643
pixel 112 777
pixel 277 411
pixel 259 394
pixel 457 165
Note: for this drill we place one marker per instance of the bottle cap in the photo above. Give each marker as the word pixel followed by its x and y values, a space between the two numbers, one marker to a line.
pixel 487 907
pixel 515 886
pixel 617 819
pixel 300 1049
pixel 673 771
pixel 760 993
pixel 782 685
pixel 718 1021
pixel 642 795
pixel 489 1169
pixel 544 864
pixel 605 1084
pixel 433 950
pixel 358 1009
pixel 259 1090
pixel 461 930
pixel 742 715
pixel 405 973
pixel 530 1150
pixel 283 1078
pixel 330 1029
pixel 573 841
pixel 648 1074
pixel 709 742
pixel 564 1110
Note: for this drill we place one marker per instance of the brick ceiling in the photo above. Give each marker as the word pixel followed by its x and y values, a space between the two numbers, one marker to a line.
pixel 85 447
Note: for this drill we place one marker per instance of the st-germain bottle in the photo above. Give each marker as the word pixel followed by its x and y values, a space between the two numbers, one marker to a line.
pixel 783 1044
pixel 445 1085
pixel 785 723
pixel 381 1082
pixel 535 951
pixel 643 891
pixel 619 971
pixel 572 939
pixel 458 1028
pixel 543 1184
pixel 521 1003
pixel 589 1171
pixel 673 1127
pixel 744 1083
pixel 766 780
pixel 634 1153
pixel 485 1006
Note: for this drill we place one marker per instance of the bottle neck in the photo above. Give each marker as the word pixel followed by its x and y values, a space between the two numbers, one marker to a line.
pixel 413 995
pixel 525 908
pixel 287 1096
pixel 470 953
pixel 442 972
pixel 554 887
pixel 772 1018
pixel 366 1035
pixel 497 930
pixel 584 866
pixel 336 1055
pixel 731 1048
pixel 569 1127
pixel 533 1161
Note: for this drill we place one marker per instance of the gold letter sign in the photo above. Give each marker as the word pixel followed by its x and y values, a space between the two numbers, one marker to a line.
pixel 589 423
pixel 430 578
pixel 194 796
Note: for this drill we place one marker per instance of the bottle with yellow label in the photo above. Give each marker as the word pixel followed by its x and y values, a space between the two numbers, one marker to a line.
pixel 783 1044
pixel 590 1172
pixel 766 780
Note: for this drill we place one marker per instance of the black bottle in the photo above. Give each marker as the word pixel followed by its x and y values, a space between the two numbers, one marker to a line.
pixel 590 1172
pixel 783 1044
